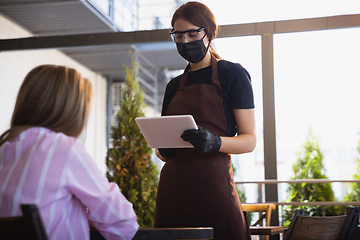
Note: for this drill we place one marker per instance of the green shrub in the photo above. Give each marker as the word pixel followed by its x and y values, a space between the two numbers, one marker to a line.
pixel 129 159
pixel 309 165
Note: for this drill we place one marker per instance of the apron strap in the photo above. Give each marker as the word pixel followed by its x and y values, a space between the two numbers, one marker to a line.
pixel 184 76
pixel 214 77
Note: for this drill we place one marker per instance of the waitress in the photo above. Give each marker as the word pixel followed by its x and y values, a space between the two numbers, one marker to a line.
pixel 196 187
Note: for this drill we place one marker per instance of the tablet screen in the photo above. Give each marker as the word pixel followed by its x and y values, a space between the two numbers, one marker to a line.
pixel 166 131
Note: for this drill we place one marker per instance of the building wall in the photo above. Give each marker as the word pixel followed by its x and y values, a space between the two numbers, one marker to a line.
pixel 14 65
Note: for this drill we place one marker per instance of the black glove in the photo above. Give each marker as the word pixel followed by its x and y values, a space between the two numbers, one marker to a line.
pixel 167 152
pixel 202 139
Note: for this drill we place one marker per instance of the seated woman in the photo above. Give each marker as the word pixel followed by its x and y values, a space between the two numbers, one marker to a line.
pixel 42 162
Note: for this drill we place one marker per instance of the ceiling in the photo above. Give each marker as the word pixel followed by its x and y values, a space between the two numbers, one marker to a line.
pixel 54 17
pixel 53 20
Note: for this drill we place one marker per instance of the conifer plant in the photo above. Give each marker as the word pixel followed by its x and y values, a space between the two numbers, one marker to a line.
pixel 128 160
pixel 309 165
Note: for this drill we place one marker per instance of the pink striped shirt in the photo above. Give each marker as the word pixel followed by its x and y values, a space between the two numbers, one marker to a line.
pixel 55 172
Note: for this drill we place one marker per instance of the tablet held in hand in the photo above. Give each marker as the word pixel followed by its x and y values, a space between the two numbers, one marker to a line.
pixel 166 131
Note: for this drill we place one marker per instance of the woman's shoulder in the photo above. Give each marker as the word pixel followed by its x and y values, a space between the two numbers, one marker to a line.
pixel 233 70
pixel 62 137
pixel 43 141
pixel 173 84
pixel 174 81
pixel 67 147
pixel 228 65
pixel 47 136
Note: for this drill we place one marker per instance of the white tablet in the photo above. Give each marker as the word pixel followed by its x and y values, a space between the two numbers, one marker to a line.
pixel 166 131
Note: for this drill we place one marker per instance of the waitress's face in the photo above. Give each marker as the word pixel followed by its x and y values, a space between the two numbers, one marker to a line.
pixel 181 25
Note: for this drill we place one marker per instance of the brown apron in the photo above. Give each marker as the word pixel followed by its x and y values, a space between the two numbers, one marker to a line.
pixel 197 189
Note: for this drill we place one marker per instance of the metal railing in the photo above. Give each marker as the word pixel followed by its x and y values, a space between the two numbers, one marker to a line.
pixel 316 203
pixel 263 182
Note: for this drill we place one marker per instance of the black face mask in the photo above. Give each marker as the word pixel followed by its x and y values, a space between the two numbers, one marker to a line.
pixel 194 51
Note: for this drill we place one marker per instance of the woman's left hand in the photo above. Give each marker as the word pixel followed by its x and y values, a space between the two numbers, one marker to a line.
pixel 202 139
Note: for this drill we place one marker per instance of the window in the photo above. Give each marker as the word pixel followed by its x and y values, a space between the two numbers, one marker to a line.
pixel 316 86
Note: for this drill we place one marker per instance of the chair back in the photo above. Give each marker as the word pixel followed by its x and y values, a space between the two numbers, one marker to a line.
pixel 330 227
pixel 350 223
pixel 264 210
pixel 29 226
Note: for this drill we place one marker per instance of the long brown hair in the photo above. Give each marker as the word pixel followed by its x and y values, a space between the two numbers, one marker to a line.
pixel 54 97
pixel 200 15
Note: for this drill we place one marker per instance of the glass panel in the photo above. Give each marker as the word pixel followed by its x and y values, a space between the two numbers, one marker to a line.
pixel 156 14
pixel 317 86
pixel 128 20
pixel 101 5
pixel 125 15
pixel 264 10
pixel 247 52
pixel 118 12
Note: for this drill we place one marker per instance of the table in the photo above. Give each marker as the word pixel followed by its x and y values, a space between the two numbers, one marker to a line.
pixel 200 233
pixel 188 233
pixel 266 230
